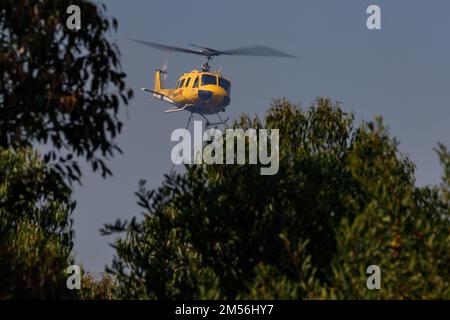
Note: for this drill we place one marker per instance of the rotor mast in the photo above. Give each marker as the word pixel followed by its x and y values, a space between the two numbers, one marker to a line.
pixel 206 67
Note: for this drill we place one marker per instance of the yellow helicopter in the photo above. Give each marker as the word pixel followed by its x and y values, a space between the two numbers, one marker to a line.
pixel 204 92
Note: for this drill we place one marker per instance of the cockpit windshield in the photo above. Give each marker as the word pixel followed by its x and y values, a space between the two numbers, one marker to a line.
pixel 225 84
pixel 209 79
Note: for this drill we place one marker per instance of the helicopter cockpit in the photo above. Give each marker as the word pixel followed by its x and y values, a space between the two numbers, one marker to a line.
pixel 224 83
pixel 216 80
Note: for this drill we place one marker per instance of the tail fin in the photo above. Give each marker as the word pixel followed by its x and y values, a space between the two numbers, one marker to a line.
pixel 157 85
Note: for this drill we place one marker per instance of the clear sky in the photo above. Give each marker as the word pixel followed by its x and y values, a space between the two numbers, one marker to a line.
pixel 401 72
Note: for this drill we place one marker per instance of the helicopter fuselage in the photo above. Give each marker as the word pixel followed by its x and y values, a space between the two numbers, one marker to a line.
pixel 196 91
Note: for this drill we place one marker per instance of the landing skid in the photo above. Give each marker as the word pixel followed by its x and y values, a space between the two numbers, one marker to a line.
pixel 176 109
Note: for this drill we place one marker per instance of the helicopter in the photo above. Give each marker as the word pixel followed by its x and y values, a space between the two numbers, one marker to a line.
pixel 203 91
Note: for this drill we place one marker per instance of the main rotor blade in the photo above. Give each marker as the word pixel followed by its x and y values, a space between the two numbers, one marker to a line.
pixel 167 48
pixel 261 51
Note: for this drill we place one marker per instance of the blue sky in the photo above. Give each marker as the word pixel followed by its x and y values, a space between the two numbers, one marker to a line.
pixel 401 72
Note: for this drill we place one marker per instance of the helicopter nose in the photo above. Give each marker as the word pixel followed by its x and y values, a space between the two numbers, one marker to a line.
pixel 204 94
pixel 226 101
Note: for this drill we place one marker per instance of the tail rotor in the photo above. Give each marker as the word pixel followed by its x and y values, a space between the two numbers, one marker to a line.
pixel 163 69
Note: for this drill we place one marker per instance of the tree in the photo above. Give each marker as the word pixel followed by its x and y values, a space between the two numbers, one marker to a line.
pixel 401 228
pixel 342 199
pixel 100 288
pixel 60 87
pixel 36 238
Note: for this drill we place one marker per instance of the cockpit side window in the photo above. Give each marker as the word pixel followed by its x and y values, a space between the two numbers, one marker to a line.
pixel 195 83
pixel 187 82
pixel 225 84
pixel 209 79
pixel 181 83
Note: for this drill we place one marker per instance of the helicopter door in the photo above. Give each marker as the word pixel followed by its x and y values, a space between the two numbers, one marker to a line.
pixel 193 90
pixel 189 91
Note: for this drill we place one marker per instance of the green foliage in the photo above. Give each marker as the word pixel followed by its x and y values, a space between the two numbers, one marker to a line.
pixel 444 157
pixel 271 283
pixel 343 199
pixel 35 228
pixel 401 228
pixel 60 87
pixel 103 288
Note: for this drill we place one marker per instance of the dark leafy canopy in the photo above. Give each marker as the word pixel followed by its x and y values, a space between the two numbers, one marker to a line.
pixel 36 238
pixel 344 198
pixel 59 86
